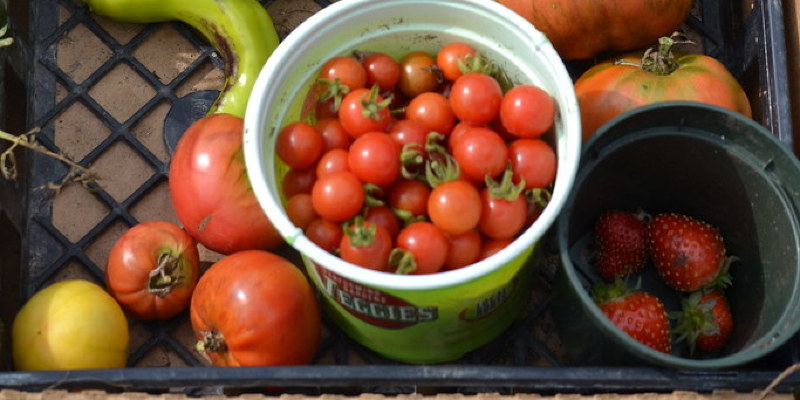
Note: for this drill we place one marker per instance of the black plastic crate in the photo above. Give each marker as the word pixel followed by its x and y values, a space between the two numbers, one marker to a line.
pixel 524 359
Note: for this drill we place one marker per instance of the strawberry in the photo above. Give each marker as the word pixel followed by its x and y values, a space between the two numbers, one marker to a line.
pixel 688 254
pixel 704 321
pixel 639 314
pixel 621 244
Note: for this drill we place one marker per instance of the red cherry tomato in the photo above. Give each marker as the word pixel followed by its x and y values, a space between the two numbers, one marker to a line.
pixel 433 111
pixel 325 234
pixel 363 111
pixel 383 216
pixel 406 131
pixel 210 192
pixel 409 197
pixel 449 57
pixel 475 98
pixel 333 134
pixel 300 211
pixel 375 158
pixel 527 111
pixel 367 245
pixel 426 243
pixel 480 151
pixel 418 74
pixel 255 308
pixel 533 160
pixel 490 247
pixel 501 218
pixel 338 196
pixel 299 145
pixel 334 160
pixel 455 206
pixel 465 249
pixel 347 70
pixel 382 70
pixel 298 181
pixel 152 270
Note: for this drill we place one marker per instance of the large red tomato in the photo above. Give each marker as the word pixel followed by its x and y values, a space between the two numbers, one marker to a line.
pixel 584 28
pixel 615 86
pixel 152 270
pixel 210 191
pixel 255 308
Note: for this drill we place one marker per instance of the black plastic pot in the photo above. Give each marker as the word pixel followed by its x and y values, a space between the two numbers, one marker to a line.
pixel 702 161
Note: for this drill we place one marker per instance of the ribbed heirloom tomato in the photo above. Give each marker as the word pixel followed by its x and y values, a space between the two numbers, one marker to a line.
pixel 255 308
pixel 152 270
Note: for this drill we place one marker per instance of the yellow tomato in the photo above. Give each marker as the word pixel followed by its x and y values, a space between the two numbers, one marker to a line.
pixel 73 324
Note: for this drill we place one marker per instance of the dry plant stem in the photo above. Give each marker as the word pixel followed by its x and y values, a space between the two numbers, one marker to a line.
pixel 27 140
pixel 777 381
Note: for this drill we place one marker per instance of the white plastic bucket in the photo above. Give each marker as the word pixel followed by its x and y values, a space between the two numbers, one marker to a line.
pixel 420 318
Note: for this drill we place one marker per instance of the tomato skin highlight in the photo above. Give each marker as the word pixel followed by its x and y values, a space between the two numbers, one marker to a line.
pixel 210 190
pixel 143 249
pixel 276 320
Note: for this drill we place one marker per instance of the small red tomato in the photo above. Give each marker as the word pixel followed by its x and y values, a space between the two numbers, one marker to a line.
pixel 334 160
pixel 491 247
pixel 362 111
pixel 300 211
pixel 374 158
pixel 255 308
pixel 428 246
pixel 325 234
pixel 534 161
pixel 465 249
pixel 502 218
pixel 455 206
pixel 299 145
pixel 382 70
pixel 333 134
pixel 347 70
pixel 298 181
pixel 451 55
pixel 406 131
pixel 475 98
pixel 338 196
pixel 527 111
pixel 480 151
pixel 366 244
pixel 418 74
pixel 152 270
pixel 433 111
pixel 383 216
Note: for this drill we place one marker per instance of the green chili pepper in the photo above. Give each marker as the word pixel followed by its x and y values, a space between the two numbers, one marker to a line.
pixel 241 31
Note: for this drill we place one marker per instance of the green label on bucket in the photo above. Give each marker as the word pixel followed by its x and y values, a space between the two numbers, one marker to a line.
pixel 371 305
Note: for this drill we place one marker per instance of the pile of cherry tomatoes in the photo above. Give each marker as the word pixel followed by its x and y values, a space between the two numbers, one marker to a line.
pixel 417 165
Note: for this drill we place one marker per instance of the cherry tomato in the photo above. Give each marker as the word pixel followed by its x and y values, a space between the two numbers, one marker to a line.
pixel 406 131
pixel 382 70
pixel 363 111
pixel 527 111
pixel 299 145
pixel 480 151
pixel 152 270
pixel 334 160
pixel 433 111
pixel 465 249
pixel 475 98
pixel 501 218
pixel 255 308
pixel 533 160
pixel 210 191
pixel 426 243
pixel 338 196
pixel 449 57
pixel 418 74
pixel 455 206
pixel 325 234
pixel 490 247
pixel 367 245
pixel 409 197
pixel 456 133
pixel 333 134
pixel 375 158
pixel 383 216
pixel 300 211
pixel 347 70
pixel 298 181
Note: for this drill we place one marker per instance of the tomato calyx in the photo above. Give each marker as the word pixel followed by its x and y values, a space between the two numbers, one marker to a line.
pixel 166 276
pixel 538 196
pixel 370 105
pixel 659 59
pixel 477 63
pixel 505 189
pixel 212 341
pixel 440 165
pixel 333 90
pixel 360 234
pixel 402 261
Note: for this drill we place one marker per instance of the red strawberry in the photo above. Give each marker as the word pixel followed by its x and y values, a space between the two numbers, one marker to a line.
pixel 621 243
pixel 688 254
pixel 639 314
pixel 705 321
